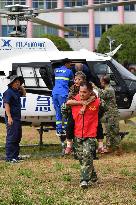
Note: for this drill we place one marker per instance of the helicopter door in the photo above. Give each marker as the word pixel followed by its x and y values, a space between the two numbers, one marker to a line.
pixel 37 76
pixel 122 95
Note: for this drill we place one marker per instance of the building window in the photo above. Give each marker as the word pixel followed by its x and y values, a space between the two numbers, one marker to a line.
pixel 47 4
pixel 52 31
pixel 83 29
pixel 100 29
pixel 40 30
pixel 111 8
pixel 50 4
pixel 3 3
pixel 129 7
pixel 6 30
pixel 70 3
pixel 97 30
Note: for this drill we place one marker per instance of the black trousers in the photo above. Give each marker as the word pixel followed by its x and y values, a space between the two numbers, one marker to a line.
pixel 13 138
pixel 70 127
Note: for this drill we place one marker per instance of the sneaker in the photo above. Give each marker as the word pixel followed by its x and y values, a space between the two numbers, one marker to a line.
pixel 60 133
pixel 20 158
pixel 12 161
pixel 68 150
pixel 84 184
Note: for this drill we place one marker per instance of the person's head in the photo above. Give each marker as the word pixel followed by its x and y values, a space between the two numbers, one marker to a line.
pixel 67 62
pixel 80 77
pixel 85 90
pixel 104 80
pixel 16 81
pixel 132 70
pixel 78 66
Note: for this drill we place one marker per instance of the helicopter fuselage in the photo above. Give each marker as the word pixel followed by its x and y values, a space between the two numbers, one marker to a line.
pixel 35 60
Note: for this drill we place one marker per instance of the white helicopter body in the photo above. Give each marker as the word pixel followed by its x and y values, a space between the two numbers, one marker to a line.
pixel 26 57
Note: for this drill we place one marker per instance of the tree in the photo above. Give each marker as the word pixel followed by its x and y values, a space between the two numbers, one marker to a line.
pixel 59 42
pixel 122 34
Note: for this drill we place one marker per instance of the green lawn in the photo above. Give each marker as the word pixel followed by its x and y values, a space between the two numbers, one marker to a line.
pixel 54 180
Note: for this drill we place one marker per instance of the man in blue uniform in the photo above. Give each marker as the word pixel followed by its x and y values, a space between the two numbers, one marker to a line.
pixel 63 75
pixel 12 104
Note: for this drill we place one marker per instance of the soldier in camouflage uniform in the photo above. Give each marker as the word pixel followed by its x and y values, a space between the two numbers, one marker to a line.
pixel 111 116
pixel 85 131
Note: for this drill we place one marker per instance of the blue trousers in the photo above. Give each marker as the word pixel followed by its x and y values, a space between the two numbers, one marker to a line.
pixel 13 138
pixel 58 101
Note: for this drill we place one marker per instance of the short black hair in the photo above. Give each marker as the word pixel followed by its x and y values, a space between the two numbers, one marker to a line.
pixel 88 85
pixel 66 60
pixel 106 79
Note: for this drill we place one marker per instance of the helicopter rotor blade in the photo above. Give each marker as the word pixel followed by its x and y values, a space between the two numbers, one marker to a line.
pixel 3 12
pixel 86 8
pixel 46 23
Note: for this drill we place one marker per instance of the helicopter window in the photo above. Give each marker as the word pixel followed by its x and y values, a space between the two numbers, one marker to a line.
pixel 103 69
pixel 32 76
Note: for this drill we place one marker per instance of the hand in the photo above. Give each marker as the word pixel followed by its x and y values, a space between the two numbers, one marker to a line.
pixel 22 90
pixel 10 121
pixel 82 110
pixel 84 103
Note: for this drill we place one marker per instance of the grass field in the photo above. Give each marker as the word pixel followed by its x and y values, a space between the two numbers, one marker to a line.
pixel 54 180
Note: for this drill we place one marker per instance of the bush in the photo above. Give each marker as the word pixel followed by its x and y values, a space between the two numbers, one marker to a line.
pixel 125 35
pixel 59 42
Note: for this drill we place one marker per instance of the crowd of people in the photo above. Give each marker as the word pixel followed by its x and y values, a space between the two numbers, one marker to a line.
pixel 80 110
pixel 80 114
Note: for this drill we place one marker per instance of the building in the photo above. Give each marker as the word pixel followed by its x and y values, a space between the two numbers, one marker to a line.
pixel 91 24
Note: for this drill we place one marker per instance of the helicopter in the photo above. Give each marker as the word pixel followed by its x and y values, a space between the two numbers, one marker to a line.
pixel 36 58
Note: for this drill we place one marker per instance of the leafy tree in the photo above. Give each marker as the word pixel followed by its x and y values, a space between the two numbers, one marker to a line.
pixel 59 42
pixel 122 34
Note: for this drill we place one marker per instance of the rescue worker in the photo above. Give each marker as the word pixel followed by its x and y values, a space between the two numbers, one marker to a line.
pixel 63 75
pixel 12 104
pixel 80 77
pixel 85 131
pixel 111 116
pixel 74 90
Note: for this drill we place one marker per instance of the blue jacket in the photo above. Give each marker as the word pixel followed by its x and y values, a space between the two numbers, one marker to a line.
pixel 12 97
pixel 62 77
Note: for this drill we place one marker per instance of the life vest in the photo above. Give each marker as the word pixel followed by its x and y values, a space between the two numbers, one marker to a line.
pixel 86 124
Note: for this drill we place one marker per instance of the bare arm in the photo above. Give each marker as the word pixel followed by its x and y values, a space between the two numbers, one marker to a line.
pixel 7 109
pixel 74 102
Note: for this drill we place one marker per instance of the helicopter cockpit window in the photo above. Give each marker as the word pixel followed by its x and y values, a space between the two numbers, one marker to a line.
pixel 101 68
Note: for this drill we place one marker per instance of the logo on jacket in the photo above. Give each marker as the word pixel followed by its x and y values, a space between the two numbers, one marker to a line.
pixel 93 108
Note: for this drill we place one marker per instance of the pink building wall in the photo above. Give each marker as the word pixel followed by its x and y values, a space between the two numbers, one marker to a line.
pixel 60 4
pixel 0 27
pixel 121 14
pixel 91 27
pixel 29 24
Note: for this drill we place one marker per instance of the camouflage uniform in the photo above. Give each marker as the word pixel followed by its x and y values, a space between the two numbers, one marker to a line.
pixel 111 117
pixel 84 149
